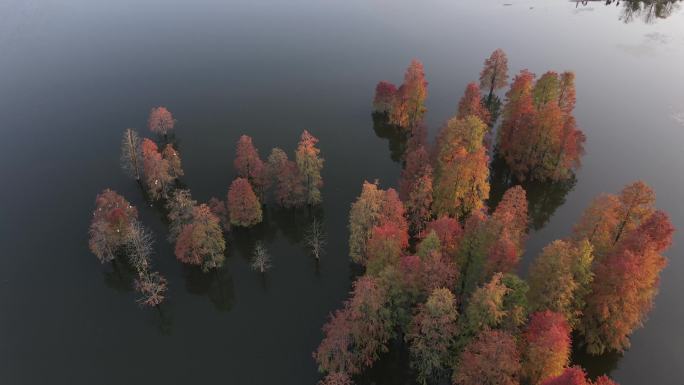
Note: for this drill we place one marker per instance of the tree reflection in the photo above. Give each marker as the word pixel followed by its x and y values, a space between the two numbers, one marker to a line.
pixel 396 136
pixel 595 366
pixel 543 197
pixel 647 10
pixel 217 284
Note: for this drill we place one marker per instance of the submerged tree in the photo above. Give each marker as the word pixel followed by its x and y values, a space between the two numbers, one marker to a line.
pixel 157 170
pixel 383 101
pixel 243 205
pixel 310 165
pixel 201 241
pixel 113 219
pixel 494 74
pixel 161 121
pixel 288 182
pixel 249 165
pixel 315 238
pixel 431 335
pixel 131 156
pixel 337 378
pixel 180 208
pixel 138 246
pixel 471 104
pixel 173 158
pixel 261 260
pixel 538 136
pixel 357 334
pixel 625 285
pixel 409 103
pixel 152 287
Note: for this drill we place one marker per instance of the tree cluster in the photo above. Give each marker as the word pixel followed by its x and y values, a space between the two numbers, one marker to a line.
pixel 440 267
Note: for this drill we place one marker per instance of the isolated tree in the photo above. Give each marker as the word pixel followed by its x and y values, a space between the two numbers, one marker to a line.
pixel 431 335
pixel 261 260
pixel 152 287
pixel 160 121
pixel 385 93
pixel 547 346
pixel 173 158
pixel 288 182
pixel 409 106
pixel 310 165
pixel 494 74
pixel 357 334
pixel 471 104
pixel 243 205
pixel 112 221
pixel 179 206
pixel 315 238
pixel 157 170
pixel 560 278
pixel 201 242
pixel 625 285
pixel 131 156
pixel 490 359
pixel 249 165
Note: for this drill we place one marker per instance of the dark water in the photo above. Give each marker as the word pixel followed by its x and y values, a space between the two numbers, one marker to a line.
pixel 74 74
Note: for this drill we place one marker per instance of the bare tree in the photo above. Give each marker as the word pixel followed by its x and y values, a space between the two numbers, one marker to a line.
pixel 99 242
pixel 261 261
pixel 152 288
pixel 130 153
pixel 139 243
pixel 315 238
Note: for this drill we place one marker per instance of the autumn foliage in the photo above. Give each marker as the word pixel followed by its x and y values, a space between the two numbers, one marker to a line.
pixel 112 221
pixel 576 376
pixel 310 164
pixel 160 121
pixel 249 165
pixel 405 106
pixel 243 205
pixel 538 136
pixel 547 346
pixel 201 242
pixel 492 358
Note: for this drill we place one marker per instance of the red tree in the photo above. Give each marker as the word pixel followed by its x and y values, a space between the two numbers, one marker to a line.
pixel 490 359
pixel 248 164
pixel 547 346
pixel 449 232
pixel 385 93
pixel 289 184
pixel 385 246
pixel 409 105
pixel 201 241
pixel 160 121
pixel 156 169
pixel 243 205
pixel 626 282
pixel 112 221
pixel 494 73
pixel 471 104
pixel 575 375
pixel 357 334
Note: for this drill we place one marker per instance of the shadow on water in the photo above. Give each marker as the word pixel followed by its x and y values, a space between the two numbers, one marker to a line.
pixel 217 284
pixel 121 276
pixel 392 368
pixel 649 11
pixel 543 197
pixel 397 138
pixel 594 365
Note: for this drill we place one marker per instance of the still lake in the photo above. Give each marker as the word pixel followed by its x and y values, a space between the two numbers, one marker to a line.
pixel 74 75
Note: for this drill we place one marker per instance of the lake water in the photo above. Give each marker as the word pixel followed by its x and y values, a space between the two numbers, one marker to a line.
pixel 74 75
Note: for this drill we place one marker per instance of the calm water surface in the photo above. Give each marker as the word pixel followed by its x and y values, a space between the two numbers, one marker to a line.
pixel 74 74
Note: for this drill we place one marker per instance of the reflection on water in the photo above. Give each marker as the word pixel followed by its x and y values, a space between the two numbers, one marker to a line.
pixel 647 10
pixel 594 365
pixel 543 197
pixel 217 284
pixel 397 138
